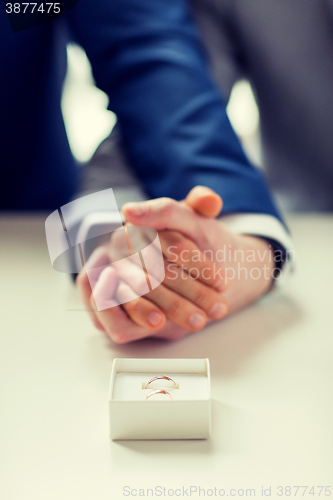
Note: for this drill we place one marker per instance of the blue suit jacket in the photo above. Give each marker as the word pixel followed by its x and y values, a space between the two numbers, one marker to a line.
pixel 146 55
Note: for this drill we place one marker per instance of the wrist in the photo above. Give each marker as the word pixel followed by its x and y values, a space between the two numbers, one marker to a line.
pixel 258 253
pixel 250 267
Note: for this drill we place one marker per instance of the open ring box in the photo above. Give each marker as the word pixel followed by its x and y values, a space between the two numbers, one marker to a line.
pixel 186 415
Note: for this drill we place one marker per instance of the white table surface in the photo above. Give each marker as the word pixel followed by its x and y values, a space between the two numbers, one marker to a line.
pixel 272 385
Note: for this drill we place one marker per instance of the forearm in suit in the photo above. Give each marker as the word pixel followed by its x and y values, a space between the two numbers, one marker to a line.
pixel 147 56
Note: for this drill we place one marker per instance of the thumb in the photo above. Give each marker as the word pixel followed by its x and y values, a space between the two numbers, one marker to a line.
pixel 204 201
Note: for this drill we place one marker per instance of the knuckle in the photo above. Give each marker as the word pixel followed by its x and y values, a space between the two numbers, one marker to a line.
pixel 141 286
pixel 174 309
pixel 122 291
pixel 172 272
pixel 118 336
pixel 176 245
pixel 218 274
pixel 176 239
pixel 133 307
pixel 179 249
pixel 201 295
pixel 167 206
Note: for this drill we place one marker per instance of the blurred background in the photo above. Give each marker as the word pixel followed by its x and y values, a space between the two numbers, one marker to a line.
pixel 88 121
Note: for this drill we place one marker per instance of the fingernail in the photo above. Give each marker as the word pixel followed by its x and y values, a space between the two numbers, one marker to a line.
pixel 218 310
pixel 155 318
pixel 137 209
pixel 197 320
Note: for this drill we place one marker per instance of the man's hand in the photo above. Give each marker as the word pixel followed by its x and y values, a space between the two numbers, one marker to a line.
pixel 248 260
pixel 181 304
pixel 189 295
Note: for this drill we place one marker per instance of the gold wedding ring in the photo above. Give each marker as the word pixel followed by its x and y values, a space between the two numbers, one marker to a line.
pixel 162 377
pixel 159 391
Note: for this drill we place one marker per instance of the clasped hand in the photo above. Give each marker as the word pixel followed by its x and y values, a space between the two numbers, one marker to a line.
pixel 195 289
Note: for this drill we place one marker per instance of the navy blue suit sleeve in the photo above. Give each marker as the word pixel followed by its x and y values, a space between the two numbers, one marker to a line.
pixel 146 55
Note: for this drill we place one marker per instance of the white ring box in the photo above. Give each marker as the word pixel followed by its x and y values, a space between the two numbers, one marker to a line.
pixel 186 416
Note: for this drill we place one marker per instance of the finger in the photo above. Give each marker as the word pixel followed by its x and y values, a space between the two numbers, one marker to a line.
pixel 104 290
pixel 205 297
pixel 95 264
pixel 165 213
pixel 178 309
pixel 130 270
pixel 105 301
pixel 142 311
pixel 119 326
pixel 185 254
pixel 159 301
pixel 134 271
pixel 98 258
pixel 204 201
